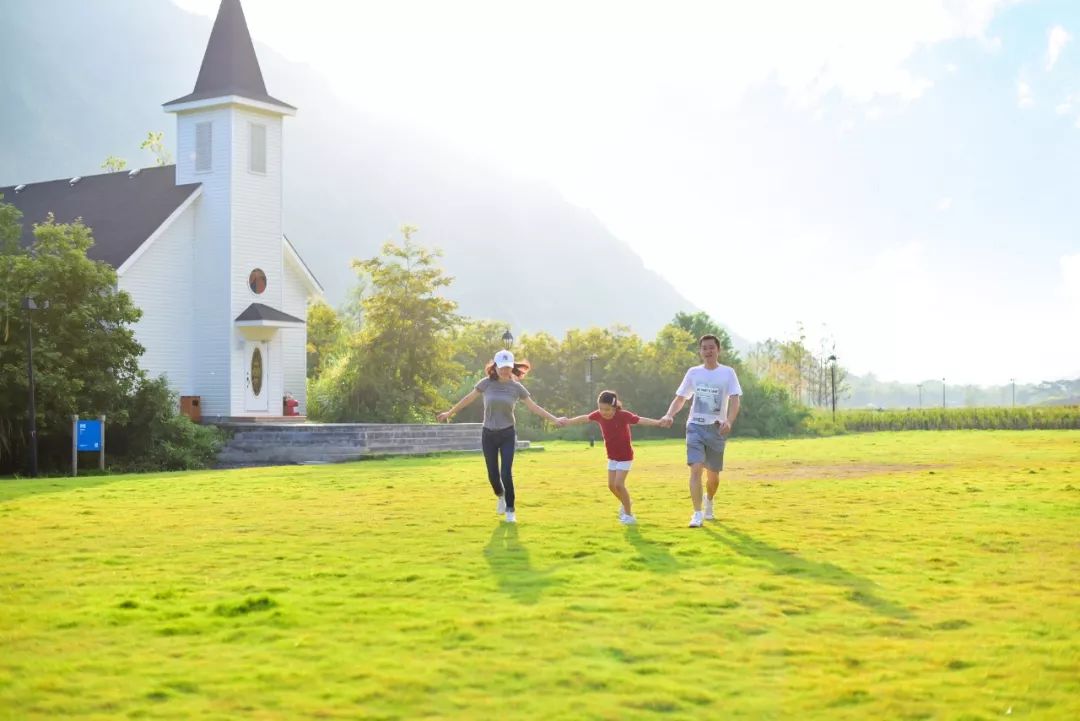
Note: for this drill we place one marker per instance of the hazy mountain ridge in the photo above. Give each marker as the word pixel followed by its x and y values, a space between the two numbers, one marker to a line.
pixel 91 80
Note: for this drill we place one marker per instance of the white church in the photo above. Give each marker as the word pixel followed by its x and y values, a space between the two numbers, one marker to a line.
pixel 199 246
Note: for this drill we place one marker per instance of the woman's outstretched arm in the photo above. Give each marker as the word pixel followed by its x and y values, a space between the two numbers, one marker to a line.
pixel 469 398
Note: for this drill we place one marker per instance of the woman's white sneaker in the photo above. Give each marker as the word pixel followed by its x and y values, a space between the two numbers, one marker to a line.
pixel 511 517
pixel 500 505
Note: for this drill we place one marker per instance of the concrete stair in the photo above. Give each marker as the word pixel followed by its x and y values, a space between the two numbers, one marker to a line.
pixel 267 444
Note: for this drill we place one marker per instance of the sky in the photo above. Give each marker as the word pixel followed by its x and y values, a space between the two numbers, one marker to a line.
pixel 897 179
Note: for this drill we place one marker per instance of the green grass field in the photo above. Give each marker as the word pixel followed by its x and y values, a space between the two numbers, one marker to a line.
pixel 883 576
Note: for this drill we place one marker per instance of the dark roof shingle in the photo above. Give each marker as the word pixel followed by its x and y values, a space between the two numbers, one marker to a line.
pixel 259 311
pixel 122 211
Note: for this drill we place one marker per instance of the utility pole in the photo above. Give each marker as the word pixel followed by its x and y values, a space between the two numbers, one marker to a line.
pixel 30 306
pixel 592 398
pixel 832 360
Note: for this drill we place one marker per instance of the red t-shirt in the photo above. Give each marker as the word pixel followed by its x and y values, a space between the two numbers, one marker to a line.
pixel 616 432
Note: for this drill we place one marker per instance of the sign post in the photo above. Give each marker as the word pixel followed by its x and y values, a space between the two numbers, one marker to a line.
pixel 87 436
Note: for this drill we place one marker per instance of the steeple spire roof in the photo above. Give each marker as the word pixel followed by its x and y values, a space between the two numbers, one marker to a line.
pixel 229 66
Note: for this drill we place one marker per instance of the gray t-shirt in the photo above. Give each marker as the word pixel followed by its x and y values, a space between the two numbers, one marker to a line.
pixel 499 400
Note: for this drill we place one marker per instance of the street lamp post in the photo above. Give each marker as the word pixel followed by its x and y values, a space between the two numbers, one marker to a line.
pixel 30 306
pixel 943 392
pixel 507 339
pixel 920 394
pixel 1013 381
pixel 832 360
pixel 592 392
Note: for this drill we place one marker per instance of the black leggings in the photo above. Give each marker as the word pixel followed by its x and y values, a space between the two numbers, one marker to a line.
pixel 500 443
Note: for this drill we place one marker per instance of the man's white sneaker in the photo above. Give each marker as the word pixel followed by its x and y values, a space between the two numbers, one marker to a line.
pixel 511 517
pixel 708 510
pixel 697 519
pixel 627 520
pixel 500 505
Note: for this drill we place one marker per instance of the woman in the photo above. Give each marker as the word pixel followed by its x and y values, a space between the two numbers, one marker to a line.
pixel 501 390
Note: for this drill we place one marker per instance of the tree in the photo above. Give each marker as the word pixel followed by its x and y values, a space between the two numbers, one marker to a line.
pixel 85 352
pixel 324 333
pixel 392 368
pixel 155 143
pixel 699 324
pixel 114 164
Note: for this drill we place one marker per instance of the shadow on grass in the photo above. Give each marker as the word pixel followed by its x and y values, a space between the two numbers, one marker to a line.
pixel 509 561
pixel 12 489
pixel 655 556
pixel 860 590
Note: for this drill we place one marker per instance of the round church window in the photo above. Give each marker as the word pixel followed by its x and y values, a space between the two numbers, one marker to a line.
pixel 257 281
pixel 256 372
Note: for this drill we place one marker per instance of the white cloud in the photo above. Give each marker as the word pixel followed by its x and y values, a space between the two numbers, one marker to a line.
pixel 1057 39
pixel 1023 95
pixel 944 204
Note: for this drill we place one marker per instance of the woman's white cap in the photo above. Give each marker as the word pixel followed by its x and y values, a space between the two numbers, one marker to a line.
pixel 504 359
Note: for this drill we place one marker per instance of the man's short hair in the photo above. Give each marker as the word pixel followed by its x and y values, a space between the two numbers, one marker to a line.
pixel 709 336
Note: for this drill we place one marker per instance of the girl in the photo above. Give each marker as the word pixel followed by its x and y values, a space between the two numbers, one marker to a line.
pixel 615 425
pixel 501 390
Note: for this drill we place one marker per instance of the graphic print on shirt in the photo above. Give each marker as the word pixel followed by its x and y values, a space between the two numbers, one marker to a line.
pixel 708 405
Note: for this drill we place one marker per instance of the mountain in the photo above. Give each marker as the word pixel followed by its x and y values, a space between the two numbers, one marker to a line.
pixel 86 80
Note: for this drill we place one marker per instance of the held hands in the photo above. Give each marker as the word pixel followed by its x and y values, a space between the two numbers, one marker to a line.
pixel 443 417
pixel 666 421
pixel 561 421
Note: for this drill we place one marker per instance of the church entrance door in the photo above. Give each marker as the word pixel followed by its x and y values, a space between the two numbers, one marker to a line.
pixel 256 392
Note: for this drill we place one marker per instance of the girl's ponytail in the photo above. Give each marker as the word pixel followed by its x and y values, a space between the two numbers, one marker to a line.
pixel 610 398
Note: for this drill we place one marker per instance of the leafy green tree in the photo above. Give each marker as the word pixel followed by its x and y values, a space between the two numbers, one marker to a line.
pixel 324 333
pixel 392 368
pixel 85 352
pixel 155 143
pixel 701 323
pixel 114 164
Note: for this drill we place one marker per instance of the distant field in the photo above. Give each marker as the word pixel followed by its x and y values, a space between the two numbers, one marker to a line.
pixel 912 575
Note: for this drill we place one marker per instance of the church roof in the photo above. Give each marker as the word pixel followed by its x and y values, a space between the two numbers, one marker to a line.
pixel 229 66
pixel 122 209
pixel 260 312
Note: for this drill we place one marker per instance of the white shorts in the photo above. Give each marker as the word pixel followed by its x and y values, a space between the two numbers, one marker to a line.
pixel 618 465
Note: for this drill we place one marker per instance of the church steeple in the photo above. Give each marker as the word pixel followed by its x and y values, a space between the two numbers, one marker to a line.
pixel 230 67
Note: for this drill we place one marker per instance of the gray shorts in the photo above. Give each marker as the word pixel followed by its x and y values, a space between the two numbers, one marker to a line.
pixel 704 444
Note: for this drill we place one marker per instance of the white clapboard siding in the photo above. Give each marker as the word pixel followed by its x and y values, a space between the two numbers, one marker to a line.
pixel 294 352
pixel 213 343
pixel 159 282
pixel 256 242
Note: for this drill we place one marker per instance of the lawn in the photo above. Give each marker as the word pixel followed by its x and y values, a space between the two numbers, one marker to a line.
pixel 914 575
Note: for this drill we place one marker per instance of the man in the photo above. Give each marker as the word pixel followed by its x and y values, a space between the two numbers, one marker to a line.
pixel 716 393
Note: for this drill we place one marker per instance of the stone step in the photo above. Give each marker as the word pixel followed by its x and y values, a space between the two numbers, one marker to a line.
pixel 255 444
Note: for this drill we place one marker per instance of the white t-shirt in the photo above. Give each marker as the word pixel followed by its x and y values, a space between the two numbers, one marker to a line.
pixel 710 389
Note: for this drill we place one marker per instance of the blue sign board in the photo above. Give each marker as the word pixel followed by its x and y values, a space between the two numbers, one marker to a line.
pixel 89 436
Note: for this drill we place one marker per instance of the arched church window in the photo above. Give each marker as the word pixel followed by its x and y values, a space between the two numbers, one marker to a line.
pixel 257 281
